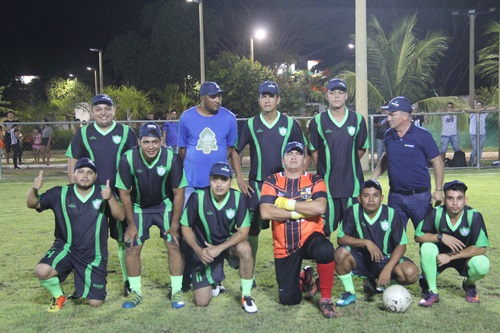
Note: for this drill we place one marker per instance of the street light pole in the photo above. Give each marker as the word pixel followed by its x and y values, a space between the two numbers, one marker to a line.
pixel 202 40
pixel 251 48
pixel 95 78
pixel 259 34
pixel 101 81
pixel 472 17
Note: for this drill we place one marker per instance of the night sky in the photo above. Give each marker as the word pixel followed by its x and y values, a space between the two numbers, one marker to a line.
pixel 47 37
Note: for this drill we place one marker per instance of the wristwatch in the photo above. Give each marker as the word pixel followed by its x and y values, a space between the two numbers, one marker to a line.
pixel 440 237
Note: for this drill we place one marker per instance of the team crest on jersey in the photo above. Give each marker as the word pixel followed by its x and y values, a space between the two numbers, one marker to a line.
pixel 116 139
pixel 161 170
pixel 97 204
pixel 384 225
pixel 282 131
pixel 351 130
pixel 207 141
pixel 464 232
pixel 230 213
pixel 306 193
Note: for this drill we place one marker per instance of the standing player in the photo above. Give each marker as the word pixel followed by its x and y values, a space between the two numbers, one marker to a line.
pixel 104 142
pixel 81 233
pixel 215 224
pixel 452 235
pixel 267 134
pixel 151 183
pixel 294 200
pixel 338 140
pixel 372 242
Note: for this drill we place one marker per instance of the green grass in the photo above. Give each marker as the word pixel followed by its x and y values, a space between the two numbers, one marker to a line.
pixel 23 302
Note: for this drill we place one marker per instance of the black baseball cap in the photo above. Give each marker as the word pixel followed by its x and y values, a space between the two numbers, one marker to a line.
pixel 455 183
pixel 294 145
pixel 370 183
pixel 150 129
pixel 85 162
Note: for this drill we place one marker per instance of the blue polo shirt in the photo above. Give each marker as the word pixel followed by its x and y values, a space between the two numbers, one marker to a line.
pixel 407 158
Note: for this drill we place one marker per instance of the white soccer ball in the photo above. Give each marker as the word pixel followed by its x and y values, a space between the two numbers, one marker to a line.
pixel 396 298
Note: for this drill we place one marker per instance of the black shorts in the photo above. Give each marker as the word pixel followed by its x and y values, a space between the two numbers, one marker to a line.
pixel 335 212
pixel 365 267
pixel 90 273
pixel 318 248
pixel 145 220
pixel 206 275
pixel 45 141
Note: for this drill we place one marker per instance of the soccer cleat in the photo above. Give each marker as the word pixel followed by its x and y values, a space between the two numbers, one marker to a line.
pixel 471 294
pixel 217 289
pixel 346 299
pixel 429 299
pixel 133 300
pixel 309 285
pixel 370 287
pixel 177 300
pixel 248 304
pixel 56 304
pixel 126 288
pixel 328 310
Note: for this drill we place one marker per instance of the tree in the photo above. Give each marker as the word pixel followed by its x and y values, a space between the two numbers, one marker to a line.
pixel 131 103
pixel 240 77
pixel 64 95
pixel 3 104
pixel 400 62
pixel 488 58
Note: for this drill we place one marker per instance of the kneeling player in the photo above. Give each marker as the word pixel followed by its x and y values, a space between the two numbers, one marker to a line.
pixel 372 242
pixel 452 235
pixel 81 243
pixel 215 225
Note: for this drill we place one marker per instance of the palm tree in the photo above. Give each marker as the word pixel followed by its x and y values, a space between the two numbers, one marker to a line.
pixel 487 66
pixel 131 103
pixel 400 62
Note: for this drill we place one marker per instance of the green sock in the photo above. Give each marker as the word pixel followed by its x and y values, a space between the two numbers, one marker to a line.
pixel 428 261
pixel 176 282
pixel 254 243
pixel 246 287
pixel 53 286
pixel 347 283
pixel 121 257
pixel 135 284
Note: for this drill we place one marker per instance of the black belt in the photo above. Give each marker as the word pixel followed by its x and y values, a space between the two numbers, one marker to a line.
pixel 415 191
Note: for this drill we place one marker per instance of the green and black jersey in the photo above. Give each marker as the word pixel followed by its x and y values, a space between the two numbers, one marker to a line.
pixel 151 184
pixel 469 229
pixel 267 143
pixel 80 222
pixel 385 229
pixel 212 222
pixel 337 145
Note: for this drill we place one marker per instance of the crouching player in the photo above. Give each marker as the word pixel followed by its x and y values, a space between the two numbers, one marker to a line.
pixel 215 224
pixel 452 235
pixel 372 241
pixel 81 243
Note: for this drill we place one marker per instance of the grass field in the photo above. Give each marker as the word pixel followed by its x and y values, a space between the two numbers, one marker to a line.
pixel 23 302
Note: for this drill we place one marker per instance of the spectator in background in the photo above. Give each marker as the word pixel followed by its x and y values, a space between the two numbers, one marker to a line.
pixel 449 130
pixel 10 119
pixel 418 117
pixel 15 143
pixel 46 142
pixel 37 144
pixel 477 115
pixel 381 126
pixel 170 131
pixel 315 112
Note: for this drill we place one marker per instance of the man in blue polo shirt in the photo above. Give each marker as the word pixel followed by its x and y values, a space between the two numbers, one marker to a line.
pixel 408 147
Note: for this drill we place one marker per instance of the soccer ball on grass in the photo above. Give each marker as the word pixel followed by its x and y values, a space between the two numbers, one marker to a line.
pixel 396 298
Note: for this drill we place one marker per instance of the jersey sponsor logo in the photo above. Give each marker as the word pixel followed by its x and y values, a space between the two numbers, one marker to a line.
pixel 407 145
pixel 72 205
pixel 282 131
pixel 116 139
pixel 138 170
pixel 464 231
pixel 230 213
pixel 98 286
pixel 384 225
pixel 97 204
pixel 207 141
pixel 210 212
pixel 351 130
pixel 161 170
pixel 259 130
pixel 306 193
pixel 328 130
pixel 92 137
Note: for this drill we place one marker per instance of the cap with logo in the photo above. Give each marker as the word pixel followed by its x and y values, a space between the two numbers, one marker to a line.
pixel 221 169
pixel 294 145
pixel 150 129
pixel 370 183
pixel 269 87
pixel 337 84
pixel 455 183
pixel 399 103
pixel 85 162
pixel 102 99
pixel 210 88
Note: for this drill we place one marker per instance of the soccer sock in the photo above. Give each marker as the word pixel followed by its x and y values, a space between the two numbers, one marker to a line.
pixel 53 286
pixel 254 243
pixel 176 282
pixel 135 284
pixel 347 283
pixel 478 268
pixel 246 287
pixel 326 275
pixel 428 261
pixel 121 257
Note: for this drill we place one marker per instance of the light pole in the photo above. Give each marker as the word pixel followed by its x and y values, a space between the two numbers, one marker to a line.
pixel 259 34
pixel 101 82
pixel 95 78
pixel 202 40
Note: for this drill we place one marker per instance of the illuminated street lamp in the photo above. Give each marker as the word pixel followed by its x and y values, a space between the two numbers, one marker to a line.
pixel 95 78
pixel 202 40
pixel 101 83
pixel 259 34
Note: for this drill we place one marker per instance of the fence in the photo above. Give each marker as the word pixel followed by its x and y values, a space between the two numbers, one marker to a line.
pixel 437 123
